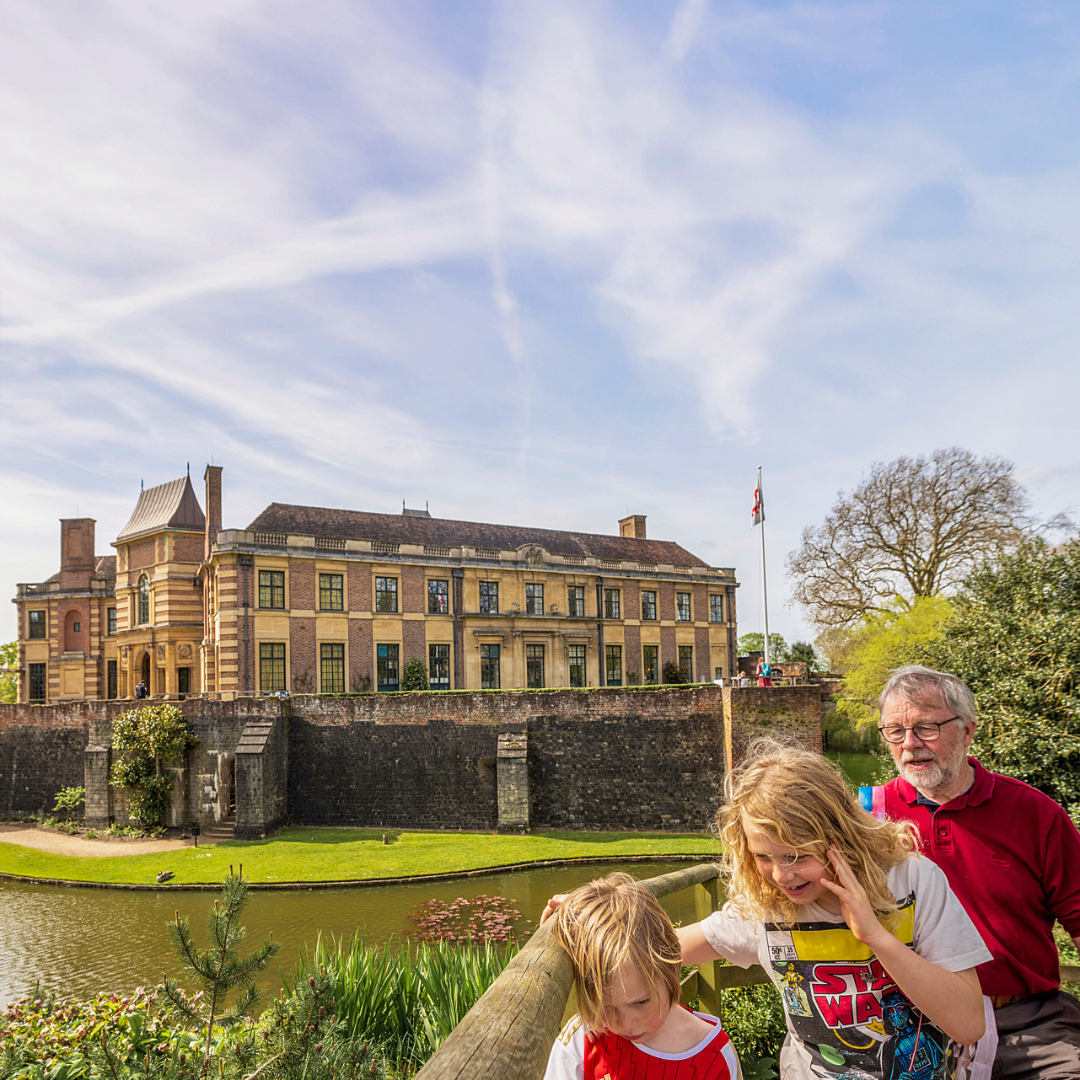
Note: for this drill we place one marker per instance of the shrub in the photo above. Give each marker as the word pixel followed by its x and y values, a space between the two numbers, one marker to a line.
pixel 414 675
pixel 673 673
pixel 69 800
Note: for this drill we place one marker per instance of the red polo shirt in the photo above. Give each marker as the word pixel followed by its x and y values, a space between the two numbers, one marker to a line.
pixel 1012 856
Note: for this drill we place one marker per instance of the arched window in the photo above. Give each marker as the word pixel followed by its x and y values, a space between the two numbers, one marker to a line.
pixel 144 600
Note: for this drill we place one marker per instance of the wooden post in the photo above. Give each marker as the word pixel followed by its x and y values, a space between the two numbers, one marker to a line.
pixel 706 901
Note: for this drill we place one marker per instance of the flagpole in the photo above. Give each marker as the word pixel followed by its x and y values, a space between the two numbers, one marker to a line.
pixel 764 589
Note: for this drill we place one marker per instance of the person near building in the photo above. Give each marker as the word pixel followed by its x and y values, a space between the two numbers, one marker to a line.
pixel 1011 854
pixel 140 690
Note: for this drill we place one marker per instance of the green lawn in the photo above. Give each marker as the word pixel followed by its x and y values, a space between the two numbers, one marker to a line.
pixel 349 855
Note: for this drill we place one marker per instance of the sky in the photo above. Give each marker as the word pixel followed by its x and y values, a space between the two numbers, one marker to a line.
pixel 534 263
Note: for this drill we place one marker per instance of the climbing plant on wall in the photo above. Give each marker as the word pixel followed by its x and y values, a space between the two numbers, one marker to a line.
pixel 147 738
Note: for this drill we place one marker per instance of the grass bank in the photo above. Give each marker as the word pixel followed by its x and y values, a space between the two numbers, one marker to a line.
pixel 344 855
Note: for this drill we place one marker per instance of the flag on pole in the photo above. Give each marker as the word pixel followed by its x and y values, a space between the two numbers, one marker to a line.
pixel 758 513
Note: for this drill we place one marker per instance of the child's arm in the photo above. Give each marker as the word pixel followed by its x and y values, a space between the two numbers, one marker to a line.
pixel 950 999
pixel 695 945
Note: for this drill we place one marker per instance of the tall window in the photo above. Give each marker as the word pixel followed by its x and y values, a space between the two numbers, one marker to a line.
pixel 611 604
pixel 110 679
pixel 716 608
pixel 613 660
pixel 489 667
pixel 489 598
pixel 438 597
pixel 650 657
pixel 331 592
pixel 183 680
pixel 111 613
pixel 534 599
pixel 37 624
pixel 648 604
pixel 575 602
pixel 439 667
pixel 37 688
pixel 386 664
pixel 577 665
pixel 272 589
pixel 534 666
pixel 144 600
pixel 271 666
pixel 686 662
pixel 386 594
pixel 682 606
pixel 332 666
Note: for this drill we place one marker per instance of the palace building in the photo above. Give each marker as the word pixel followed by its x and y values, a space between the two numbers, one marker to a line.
pixel 312 600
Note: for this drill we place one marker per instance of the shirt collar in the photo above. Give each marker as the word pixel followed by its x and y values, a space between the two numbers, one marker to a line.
pixel 981 789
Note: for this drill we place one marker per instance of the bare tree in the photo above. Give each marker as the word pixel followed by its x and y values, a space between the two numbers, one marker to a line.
pixel 915 527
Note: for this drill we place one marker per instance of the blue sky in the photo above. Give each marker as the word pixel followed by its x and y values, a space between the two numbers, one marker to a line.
pixel 535 263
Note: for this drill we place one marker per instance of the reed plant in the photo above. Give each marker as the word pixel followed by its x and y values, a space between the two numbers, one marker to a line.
pixel 407 1000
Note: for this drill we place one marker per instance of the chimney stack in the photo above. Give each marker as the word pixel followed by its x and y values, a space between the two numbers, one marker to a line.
pixel 633 526
pixel 76 551
pixel 212 476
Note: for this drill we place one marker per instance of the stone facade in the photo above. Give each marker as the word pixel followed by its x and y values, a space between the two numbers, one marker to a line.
pixel 606 759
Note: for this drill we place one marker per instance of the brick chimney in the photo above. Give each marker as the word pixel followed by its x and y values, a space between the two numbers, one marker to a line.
pixel 212 476
pixel 76 551
pixel 633 526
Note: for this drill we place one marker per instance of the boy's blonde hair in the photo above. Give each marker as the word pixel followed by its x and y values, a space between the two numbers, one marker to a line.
pixel 611 922
pixel 799 800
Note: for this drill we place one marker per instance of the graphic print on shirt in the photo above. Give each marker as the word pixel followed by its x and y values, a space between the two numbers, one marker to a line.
pixel 853 1020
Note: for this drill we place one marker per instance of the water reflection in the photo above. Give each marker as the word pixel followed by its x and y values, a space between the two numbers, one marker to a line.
pixel 76 941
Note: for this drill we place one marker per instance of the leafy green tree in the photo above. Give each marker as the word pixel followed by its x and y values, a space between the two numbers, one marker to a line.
pixel 1014 638
pixel 804 651
pixel 9 680
pixel 885 641
pixel 147 737
pixel 414 675
pixel 778 649
pixel 68 800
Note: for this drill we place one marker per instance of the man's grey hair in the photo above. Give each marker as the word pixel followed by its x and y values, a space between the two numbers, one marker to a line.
pixel 923 686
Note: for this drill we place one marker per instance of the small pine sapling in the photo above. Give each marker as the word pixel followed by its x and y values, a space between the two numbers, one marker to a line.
pixel 220 969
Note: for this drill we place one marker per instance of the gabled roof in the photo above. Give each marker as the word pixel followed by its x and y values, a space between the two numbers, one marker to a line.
pixel 410 529
pixel 167 506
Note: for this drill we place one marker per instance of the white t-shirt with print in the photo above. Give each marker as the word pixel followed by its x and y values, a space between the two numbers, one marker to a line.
pixel 845 1015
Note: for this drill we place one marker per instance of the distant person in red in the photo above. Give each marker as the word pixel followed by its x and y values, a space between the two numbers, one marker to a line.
pixel 1012 856
pixel 626 968
pixel 764 672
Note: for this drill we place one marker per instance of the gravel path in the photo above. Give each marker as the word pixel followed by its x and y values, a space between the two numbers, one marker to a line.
pixel 61 844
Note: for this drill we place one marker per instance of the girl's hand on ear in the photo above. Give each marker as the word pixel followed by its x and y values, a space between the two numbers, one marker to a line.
pixel 854 903
pixel 551 907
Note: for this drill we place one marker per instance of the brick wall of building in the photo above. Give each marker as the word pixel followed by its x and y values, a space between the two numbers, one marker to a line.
pixel 303 666
pixel 361 661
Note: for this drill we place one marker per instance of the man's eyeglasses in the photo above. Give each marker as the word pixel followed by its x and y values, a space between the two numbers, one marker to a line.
pixel 923 732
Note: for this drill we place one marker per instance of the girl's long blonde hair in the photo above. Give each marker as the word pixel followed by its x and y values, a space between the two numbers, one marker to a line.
pixel 799 800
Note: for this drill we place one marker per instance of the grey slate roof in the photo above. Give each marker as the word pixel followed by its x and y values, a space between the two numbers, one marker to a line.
pixel 167 506
pixel 411 529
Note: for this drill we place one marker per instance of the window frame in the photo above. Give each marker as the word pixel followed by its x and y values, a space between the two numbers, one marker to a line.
pixel 183 680
pixel 269 660
pixel 534 601
pixel 37 629
pixel 331 597
pixel 386 596
pixel 652 668
pixel 488 597
pixel 144 600
pixel 37 674
pixel 435 662
pixel 576 658
pixel 435 595
pixel 332 660
pixel 384 664
pixel 272 591
pixel 684 612
pixel 716 607
pixel 534 667
pixel 575 601
pixel 612 603
pixel 648 607
pixel 613 672
pixel 112 680
pixel 110 621
pixel 490 664
pixel 688 669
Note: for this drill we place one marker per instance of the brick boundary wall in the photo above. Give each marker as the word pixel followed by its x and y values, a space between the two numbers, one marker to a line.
pixel 608 759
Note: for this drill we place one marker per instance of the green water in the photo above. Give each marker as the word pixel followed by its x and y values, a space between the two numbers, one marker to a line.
pixel 858 768
pixel 77 941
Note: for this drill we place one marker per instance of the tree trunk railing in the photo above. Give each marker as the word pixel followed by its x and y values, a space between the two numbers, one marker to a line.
pixel 510 1030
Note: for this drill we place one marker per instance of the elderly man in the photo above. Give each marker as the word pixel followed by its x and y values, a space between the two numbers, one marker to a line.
pixel 1012 856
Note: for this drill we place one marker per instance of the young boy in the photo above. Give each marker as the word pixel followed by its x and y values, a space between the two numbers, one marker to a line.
pixel 626 968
